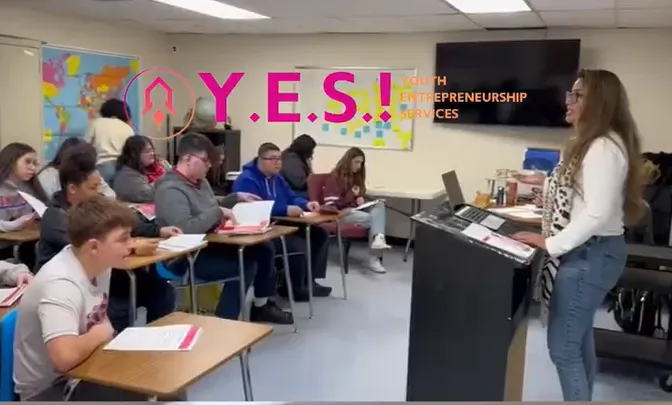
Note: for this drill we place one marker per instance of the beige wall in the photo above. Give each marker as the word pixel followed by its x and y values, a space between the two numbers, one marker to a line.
pixel 642 58
pixel 73 32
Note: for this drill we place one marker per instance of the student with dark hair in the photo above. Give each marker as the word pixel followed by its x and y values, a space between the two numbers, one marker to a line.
pixel 81 183
pixel 217 173
pixel 62 317
pixel 108 134
pixel 297 161
pixel 18 164
pixel 48 176
pixel 137 171
pixel 261 177
pixel 184 198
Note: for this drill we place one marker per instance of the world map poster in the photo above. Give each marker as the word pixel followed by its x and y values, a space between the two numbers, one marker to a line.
pixel 75 84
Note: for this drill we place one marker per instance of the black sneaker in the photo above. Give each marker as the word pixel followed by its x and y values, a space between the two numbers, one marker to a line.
pixel 270 313
pixel 299 295
pixel 321 290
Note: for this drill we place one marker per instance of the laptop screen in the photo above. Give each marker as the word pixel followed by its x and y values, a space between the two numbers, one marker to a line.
pixel 453 189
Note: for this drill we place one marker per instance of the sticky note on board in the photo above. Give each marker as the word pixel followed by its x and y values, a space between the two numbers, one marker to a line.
pixel 325 127
pixel 334 107
pixel 344 131
pixel 358 134
pixel 395 128
pixel 379 143
pixel 366 129
pixel 380 133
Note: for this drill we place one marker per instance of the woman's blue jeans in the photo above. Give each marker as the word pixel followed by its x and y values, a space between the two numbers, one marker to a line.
pixel 107 171
pixel 585 276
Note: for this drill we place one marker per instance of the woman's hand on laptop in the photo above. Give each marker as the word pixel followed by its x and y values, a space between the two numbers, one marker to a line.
pixel 227 215
pixel 247 197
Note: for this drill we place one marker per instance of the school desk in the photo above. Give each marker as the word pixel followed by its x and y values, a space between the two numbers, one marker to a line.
pixel 244 241
pixel 308 221
pixel 30 234
pixel 169 374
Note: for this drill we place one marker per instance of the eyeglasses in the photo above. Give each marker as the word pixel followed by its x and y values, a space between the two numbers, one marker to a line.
pixel 572 97
pixel 272 158
pixel 150 152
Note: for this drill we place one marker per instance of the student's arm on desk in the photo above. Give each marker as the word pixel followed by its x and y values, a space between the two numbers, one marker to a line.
pixel 173 208
pixel 59 314
pixel 53 227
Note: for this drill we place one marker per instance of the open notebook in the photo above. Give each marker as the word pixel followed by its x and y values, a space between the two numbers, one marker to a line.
pixel 251 218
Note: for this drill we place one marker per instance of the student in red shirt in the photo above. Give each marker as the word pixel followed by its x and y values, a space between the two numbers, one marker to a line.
pixel 345 190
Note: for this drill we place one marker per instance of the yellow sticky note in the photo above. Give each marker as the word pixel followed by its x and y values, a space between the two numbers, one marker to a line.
pixel 334 107
pixel 48 135
pixel 405 144
pixel 378 143
pixel 395 128
pixel 135 65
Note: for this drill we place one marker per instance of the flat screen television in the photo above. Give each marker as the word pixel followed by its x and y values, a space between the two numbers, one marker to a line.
pixel 542 69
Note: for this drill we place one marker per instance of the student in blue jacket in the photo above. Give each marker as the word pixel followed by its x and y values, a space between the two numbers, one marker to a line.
pixel 262 177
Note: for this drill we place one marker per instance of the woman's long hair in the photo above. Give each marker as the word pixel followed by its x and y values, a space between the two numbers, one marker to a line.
pixel 131 152
pixel 344 171
pixel 9 155
pixel 62 150
pixel 304 146
pixel 606 110
pixel 217 174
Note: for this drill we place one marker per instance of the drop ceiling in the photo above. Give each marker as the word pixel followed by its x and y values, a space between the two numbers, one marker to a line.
pixel 365 16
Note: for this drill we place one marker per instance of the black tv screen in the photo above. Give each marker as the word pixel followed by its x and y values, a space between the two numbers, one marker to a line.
pixel 478 73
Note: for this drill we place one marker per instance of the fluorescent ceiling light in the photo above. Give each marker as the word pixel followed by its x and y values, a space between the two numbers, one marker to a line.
pixel 489 6
pixel 215 9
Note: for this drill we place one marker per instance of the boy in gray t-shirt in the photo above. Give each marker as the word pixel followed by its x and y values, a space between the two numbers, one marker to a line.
pixel 62 316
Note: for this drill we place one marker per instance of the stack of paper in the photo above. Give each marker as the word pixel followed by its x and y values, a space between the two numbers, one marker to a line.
pixel 36 204
pixel 251 218
pixel 170 338
pixel 485 235
pixel 8 296
pixel 181 243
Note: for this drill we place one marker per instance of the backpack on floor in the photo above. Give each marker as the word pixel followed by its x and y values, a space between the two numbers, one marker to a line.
pixel 638 312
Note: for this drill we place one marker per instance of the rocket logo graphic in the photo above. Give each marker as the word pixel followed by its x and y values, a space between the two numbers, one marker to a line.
pixel 158 116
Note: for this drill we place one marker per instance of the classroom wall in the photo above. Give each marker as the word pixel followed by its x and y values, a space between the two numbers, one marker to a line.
pixel 76 32
pixel 642 59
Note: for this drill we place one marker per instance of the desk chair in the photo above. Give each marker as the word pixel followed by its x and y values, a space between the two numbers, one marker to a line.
pixel 7 327
pixel 349 233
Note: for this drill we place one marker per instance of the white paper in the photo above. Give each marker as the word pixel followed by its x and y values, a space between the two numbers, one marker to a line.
pixel 367 205
pixel 156 338
pixel 182 242
pixel 526 215
pixel 8 296
pixel 36 204
pixel 483 234
pixel 255 213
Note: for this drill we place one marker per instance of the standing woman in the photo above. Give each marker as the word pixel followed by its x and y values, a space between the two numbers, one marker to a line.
pixel 18 165
pixel 48 176
pixel 591 195
pixel 137 170
pixel 297 164
pixel 108 133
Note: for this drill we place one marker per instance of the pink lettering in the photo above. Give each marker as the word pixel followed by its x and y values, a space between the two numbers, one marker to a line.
pixel 275 97
pixel 221 93
pixel 348 102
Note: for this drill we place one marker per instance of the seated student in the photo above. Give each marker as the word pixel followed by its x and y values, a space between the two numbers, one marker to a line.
pixel 81 182
pixel 18 164
pixel 217 173
pixel 62 315
pixel 48 176
pixel 297 164
pixel 108 134
pixel 261 177
pixel 137 171
pixel 184 199
pixel 345 189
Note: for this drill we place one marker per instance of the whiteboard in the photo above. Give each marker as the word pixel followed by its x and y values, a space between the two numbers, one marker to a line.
pixel 395 134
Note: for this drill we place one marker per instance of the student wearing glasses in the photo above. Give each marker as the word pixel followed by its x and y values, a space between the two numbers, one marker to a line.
pixel 138 169
pixel 261 177
pixel 591 195
pixel 185 199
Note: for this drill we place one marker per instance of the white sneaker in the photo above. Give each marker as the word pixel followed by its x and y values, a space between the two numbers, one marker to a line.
pixel 379 243
pixel 376 266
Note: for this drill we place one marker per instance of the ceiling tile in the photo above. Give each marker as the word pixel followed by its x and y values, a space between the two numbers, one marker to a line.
pixel 568 5
pixel 508 20
pixel 644 4
pixel 343 8
pixel 579 19
pixel 653 18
